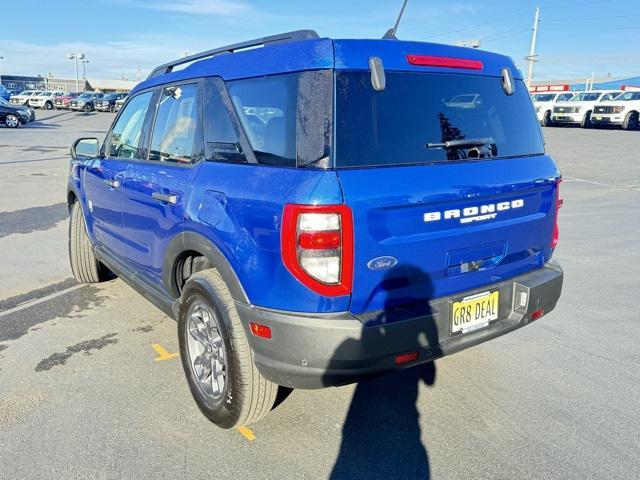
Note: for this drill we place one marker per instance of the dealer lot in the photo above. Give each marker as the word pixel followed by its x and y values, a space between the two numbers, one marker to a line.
pixel 90 388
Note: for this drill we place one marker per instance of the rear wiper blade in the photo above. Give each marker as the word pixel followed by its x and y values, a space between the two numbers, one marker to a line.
pixel 465 142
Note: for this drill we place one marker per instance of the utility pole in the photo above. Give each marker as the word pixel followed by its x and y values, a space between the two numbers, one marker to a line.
pixel 532 57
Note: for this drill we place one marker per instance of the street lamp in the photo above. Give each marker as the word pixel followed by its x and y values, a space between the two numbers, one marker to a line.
pixel 76 57
pixel 84 69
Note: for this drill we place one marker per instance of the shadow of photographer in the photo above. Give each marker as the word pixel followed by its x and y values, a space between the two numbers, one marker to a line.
pixel 381 436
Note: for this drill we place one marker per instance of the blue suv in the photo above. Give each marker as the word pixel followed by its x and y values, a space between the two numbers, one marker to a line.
pixel 315 211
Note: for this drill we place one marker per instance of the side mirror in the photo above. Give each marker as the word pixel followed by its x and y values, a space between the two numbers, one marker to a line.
pixel 85 148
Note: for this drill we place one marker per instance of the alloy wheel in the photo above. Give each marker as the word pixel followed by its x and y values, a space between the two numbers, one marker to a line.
pixel 207 356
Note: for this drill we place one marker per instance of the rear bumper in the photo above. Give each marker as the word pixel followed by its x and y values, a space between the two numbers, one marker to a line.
pixel 315 350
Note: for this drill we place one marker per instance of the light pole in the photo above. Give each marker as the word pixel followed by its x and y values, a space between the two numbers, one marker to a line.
pixel 84 69
pixel 76 57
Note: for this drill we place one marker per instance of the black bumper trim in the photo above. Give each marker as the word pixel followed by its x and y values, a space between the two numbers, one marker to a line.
pixel 316 350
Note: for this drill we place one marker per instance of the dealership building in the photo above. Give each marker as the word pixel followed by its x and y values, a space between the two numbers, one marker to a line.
pixel 21 82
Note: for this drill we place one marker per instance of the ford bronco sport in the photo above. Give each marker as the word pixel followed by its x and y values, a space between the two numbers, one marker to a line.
pixel 316 211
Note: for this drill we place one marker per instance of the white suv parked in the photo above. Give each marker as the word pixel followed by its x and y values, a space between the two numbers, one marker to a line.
pixel 578 110
pixel 544 102
pixel 623 111
pixel 44 100
pixel 23 97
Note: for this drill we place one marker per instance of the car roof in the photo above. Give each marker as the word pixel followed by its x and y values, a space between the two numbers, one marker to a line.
pixel 326 53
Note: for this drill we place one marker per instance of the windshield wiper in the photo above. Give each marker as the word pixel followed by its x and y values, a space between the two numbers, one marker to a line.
pixel 462 143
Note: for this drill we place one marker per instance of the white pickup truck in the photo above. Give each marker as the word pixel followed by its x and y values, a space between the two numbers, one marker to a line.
pixel 623 111
pixel 578 110
pixel 44 99
pixel 544 102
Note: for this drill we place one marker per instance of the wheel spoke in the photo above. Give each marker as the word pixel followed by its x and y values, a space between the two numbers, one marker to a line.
pixel 199 330
pixel 202 367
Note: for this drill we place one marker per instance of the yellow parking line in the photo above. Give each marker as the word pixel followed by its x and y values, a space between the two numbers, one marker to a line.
pixel 247 433
pixel 162 353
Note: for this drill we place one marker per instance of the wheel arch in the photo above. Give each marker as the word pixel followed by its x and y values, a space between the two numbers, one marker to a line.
pixel 187 243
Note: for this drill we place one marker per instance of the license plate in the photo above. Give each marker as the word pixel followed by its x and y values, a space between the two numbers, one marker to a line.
pixel 473 312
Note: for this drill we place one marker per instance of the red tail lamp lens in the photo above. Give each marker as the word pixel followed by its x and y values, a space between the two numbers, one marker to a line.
pixel 319 240
pixel 447 62
pixel 317 247
pixel 556 229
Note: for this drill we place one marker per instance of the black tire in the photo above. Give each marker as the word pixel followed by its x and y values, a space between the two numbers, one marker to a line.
pixel 586 120
pixel 84 265
pixel 48 106
pixel 546 119
pixel 87 108
pixel 11 121
pixel 246 396
pixel 630 121
pixel 112 108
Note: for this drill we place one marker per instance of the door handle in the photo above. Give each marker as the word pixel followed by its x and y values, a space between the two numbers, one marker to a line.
pixel 171 198
pixel 112 183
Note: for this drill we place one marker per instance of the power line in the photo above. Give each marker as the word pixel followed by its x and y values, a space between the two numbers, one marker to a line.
pixel 444 34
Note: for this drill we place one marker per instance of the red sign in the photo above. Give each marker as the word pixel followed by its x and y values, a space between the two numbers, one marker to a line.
pixel 550 88
pixel 630 88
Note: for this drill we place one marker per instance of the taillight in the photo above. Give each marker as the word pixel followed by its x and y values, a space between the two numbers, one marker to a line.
pixel 559 202
pixel 317 247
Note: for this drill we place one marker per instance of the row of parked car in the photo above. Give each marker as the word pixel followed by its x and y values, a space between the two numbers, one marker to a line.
pixel 589 108
pixel 84 101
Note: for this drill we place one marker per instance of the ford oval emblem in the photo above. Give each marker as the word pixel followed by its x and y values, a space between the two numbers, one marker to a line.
pixel 382 263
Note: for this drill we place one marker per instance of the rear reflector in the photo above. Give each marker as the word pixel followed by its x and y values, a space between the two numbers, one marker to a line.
pixel 319 240
pixel 537 314
pixel 406 358
pixel 261 331
pixel 449 62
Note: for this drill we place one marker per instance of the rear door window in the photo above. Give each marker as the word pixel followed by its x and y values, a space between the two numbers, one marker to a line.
pixel 174 129
pixel 394 126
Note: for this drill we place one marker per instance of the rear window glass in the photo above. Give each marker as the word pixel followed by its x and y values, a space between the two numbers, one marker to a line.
pixel 287 118
pixel 395 125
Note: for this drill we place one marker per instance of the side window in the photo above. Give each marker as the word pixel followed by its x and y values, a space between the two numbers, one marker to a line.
pixel 175 125
pixel 221 129
pixel 126 133
pixel 266 108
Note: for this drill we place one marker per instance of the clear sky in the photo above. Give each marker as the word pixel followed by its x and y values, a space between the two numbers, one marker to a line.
pixel 576 37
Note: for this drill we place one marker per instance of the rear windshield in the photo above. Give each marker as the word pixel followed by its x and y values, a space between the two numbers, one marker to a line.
pixel 394 126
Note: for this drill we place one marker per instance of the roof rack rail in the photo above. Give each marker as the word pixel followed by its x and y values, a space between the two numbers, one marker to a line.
pixel 279 38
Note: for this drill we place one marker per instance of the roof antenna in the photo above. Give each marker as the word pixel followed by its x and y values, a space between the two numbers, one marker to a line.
pixel 391 33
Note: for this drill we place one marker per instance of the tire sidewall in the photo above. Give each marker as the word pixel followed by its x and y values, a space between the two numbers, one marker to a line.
pixel 586 121
pixel 225 410
pixel 631 118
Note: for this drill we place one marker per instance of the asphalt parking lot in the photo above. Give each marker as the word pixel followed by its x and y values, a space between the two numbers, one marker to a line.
pixel 91 386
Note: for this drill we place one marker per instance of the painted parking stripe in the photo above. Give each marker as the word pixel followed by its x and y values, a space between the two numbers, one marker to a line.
pixel 162 353
pixel 247 433
pixel 40 300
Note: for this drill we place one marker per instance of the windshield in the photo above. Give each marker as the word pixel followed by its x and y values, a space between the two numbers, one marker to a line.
pixel 26 92
pixel 626 96
pixel 586 97
pixel 543 97
pixel 85 95
pixel 4 103
pixel 609 96
pixel 394 126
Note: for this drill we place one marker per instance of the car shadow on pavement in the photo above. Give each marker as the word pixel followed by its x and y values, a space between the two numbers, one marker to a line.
pixel 381 436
